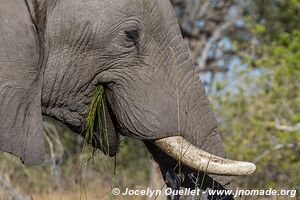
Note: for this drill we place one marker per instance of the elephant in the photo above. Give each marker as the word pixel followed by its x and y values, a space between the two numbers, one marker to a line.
pixel 55 53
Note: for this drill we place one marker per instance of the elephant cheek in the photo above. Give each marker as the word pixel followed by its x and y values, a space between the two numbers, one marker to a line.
pixel 149 113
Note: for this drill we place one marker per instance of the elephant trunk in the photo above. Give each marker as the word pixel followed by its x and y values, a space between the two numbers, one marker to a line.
pixel 198 144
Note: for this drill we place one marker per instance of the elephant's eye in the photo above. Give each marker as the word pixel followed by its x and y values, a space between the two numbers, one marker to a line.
pixel 133 36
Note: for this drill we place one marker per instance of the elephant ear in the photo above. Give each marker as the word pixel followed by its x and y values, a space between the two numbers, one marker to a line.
pixel 21 131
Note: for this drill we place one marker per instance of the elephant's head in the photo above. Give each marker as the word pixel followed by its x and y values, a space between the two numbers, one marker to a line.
pixel 55 53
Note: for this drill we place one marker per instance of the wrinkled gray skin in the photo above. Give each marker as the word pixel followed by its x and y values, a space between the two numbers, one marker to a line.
pixel 53 54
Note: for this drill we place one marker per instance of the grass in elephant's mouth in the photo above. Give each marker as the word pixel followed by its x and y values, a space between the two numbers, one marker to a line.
pixel 96 124
pixel 96 119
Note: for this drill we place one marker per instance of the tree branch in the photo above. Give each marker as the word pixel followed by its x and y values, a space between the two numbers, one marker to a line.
pixel 275 148
pixel 288 128
pixel 218 33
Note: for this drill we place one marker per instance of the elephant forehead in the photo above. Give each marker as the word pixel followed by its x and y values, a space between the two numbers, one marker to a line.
pixel 101 11
pixel 93 9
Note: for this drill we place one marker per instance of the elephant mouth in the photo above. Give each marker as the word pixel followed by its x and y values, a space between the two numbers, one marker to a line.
pixel 180 149
pixel 200 160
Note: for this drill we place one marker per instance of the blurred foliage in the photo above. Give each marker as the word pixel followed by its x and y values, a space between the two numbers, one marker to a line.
pixel 261 121
pixel 276 16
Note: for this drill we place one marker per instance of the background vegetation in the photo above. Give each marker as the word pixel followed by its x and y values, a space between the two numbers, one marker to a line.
pixel 248 54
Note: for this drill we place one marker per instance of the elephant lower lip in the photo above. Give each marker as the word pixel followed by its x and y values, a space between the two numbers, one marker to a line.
pixel 75 129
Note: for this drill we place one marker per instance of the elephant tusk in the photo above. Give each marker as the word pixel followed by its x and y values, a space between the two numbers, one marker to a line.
pixel 182 150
